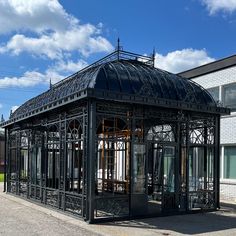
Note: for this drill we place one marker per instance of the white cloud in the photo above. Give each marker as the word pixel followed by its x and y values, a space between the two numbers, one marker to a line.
pixel 182 60
pixel 83 39
pixel 31 79
pixel 68 67
pixel 39 16
pixel 175 62
pixel 43 28
pixel 214 6
pixel 1 106
pixel 55 73
pixel 13 108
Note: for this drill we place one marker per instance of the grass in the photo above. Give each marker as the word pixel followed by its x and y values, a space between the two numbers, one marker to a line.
pixel 1 177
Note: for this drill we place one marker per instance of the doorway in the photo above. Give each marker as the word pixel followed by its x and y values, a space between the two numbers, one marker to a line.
pixel 161 178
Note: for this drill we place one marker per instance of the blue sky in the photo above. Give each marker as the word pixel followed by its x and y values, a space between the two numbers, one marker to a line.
pixel 50 39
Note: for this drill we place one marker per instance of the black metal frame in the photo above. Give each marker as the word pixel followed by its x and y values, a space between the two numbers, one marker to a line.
pixel 185 137
pixel 87 203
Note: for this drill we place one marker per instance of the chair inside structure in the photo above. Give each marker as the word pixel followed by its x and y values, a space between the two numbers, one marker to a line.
pixel 119 139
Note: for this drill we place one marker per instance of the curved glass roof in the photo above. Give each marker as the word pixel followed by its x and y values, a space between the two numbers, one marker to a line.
pixel 123 76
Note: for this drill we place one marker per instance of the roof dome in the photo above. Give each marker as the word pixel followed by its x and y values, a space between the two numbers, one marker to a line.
pixel 134 77
pixel 123 76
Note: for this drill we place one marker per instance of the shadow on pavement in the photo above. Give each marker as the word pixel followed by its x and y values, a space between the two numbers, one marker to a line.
pixel 228 207
pixel 187 224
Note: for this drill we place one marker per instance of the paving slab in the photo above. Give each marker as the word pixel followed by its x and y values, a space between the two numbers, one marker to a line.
pixel 21 217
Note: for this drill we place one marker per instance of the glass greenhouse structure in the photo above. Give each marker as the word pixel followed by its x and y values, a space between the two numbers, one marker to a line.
pixel 120 139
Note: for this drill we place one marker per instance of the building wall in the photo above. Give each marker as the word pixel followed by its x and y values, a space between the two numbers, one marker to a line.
pixel 219 80
pixel 221 77
pixel 228 130
pixel 228 190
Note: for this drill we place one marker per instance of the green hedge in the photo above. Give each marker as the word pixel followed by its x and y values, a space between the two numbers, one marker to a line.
pixel 1 177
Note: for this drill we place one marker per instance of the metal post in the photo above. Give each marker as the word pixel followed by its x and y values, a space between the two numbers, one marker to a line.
pixel 187 162
pixel 131 188
pixel 217 163
pixel 177 166
pixel 18 137
pixel 205 156
pixel 83 213
pixel 5 161
pixel 91 161
pixel 28 162
pixel 64 143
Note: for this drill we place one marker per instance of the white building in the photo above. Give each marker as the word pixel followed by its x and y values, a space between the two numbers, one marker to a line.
pixel 219 78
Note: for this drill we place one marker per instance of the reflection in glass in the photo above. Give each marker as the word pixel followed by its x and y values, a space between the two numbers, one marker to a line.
pixel 229 162
pixel 196 168
pixel 24 164
pixel 230 96
pixel 139 168
pixel 214 93
pixel 169 168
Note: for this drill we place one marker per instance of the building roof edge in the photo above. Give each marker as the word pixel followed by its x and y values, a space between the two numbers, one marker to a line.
pixel 209 68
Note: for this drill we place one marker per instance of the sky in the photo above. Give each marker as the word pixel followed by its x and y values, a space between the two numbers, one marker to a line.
pixel 47 40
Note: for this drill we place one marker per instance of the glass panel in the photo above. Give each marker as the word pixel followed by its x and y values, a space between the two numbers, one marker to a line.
pixel 24 164
pixel 230 96
pixel 33 165
pixel 74 167
pixel 214 93
pixel 210 168
pixel 38 165
pixel 13 164
pixel 169 169
pixel 50 170
pixel 111 173
pixel 183 169
pixel 69 167
pixel 230 162
pixel 196 168
pixel 57 169
pixel 161 133
pixel 155 171
pixel 201 178
pixel 74 157
pixel 139 168
pixel 155 178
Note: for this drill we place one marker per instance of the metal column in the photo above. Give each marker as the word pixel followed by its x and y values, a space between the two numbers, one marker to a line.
pixel 5 161
pixel 217 162
pixel 91 161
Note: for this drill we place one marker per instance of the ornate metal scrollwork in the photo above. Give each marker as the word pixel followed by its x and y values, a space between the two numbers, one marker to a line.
pixel 112 207
pixel 52 197
pixel 73 204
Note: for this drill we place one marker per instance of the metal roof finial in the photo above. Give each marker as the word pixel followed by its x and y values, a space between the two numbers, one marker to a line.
pixel 118 48
pixel 2 119
pixel 153 56
pixel 118 43
pixel 50 83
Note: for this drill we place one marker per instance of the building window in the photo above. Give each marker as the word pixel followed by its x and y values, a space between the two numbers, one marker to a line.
pixel 214 93
pixel 229 93
pixel 229 162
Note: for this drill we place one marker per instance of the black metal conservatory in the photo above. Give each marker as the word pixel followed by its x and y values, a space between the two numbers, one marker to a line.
pixel 118 139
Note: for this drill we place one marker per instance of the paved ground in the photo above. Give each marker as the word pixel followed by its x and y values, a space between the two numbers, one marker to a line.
pixel 20 217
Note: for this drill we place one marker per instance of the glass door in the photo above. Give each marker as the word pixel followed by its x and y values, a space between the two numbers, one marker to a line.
pixel 155 178
pixel 169 179
pixel 139 201
pixel 161 178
